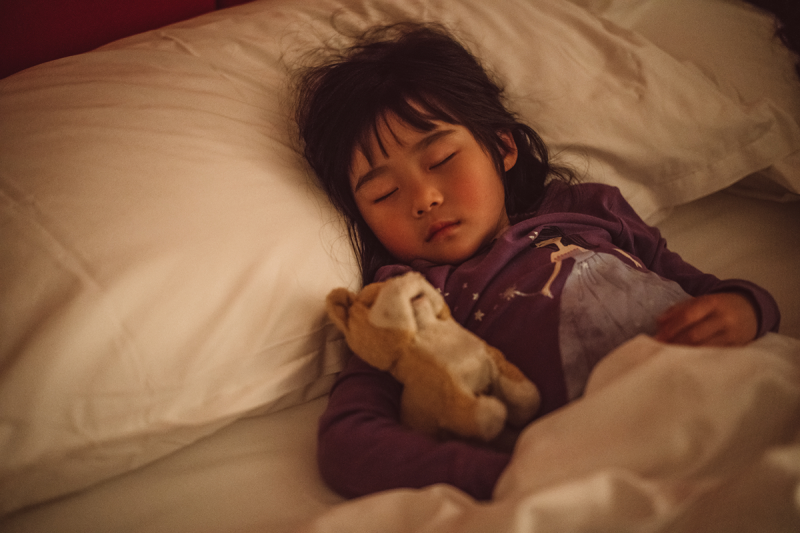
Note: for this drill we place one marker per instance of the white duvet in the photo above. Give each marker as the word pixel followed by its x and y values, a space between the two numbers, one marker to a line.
pixel 666 439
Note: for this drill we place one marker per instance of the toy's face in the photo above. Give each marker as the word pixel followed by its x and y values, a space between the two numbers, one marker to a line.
pixel 408 303
pixel 411 304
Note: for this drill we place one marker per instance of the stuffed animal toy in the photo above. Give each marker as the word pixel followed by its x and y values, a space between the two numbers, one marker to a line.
pixel 452 379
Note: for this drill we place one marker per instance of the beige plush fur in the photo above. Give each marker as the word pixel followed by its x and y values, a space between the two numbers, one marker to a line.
pixel 452 379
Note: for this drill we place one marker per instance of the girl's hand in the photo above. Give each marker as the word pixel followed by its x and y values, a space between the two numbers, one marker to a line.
pixel 722 319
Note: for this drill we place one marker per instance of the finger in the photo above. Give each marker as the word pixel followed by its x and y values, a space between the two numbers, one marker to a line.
pixel 707 332
pixel 681 317
pixel 671 322
pixel 691 310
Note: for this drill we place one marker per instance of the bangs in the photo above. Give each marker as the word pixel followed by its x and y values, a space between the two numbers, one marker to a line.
pixel 418 112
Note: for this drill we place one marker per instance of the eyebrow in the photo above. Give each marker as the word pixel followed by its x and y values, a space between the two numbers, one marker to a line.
pixel 421 145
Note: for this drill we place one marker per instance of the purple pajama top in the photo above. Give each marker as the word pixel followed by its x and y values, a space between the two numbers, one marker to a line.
pixel 555 293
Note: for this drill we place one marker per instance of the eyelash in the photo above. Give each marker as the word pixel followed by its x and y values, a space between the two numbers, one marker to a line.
pixel 443 161
pixel 384 197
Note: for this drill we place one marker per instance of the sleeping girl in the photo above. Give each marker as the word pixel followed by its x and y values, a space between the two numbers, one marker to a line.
pixel 412 142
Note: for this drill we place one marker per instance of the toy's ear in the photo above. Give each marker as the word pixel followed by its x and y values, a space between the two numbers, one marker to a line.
pixel 338 305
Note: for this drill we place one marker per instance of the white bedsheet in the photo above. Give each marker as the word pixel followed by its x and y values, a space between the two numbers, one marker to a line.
pixel 257 475
pixel 666 439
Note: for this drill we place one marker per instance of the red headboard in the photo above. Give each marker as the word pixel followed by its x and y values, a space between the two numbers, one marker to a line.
pixel 35 31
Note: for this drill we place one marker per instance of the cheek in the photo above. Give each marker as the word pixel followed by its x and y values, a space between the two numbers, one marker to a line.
pixel 474 195
pixel 482 193
pixel 378 219
pixel 389 229
pixel 400 243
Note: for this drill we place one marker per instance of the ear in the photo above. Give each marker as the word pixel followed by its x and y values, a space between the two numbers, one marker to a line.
pixel 338 305
pixel 510 152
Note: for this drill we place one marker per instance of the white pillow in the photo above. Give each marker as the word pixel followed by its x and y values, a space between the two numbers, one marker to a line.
pixel 164 256
pixel 734 43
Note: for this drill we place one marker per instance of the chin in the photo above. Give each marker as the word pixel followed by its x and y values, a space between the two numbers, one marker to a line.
pixel 454 257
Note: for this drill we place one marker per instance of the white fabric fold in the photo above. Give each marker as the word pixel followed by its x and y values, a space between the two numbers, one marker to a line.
pixel 666 438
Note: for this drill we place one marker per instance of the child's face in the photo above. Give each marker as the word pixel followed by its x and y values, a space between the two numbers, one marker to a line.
pixel 436 195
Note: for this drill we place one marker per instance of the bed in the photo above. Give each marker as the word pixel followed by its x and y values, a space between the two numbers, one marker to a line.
pixel 165 254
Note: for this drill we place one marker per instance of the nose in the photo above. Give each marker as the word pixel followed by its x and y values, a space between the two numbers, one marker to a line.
pixel 426 197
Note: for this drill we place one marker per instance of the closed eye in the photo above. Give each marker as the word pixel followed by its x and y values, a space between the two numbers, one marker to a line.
pixel 384 197
pixel 443 161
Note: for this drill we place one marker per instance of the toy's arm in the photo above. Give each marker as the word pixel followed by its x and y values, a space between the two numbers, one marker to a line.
pixel 363 447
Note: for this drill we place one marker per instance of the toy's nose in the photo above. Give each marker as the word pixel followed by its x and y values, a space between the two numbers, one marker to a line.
pixel 423 310
pixel 420 301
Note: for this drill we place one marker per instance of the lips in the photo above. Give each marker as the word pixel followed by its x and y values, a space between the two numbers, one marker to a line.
pixel 440 229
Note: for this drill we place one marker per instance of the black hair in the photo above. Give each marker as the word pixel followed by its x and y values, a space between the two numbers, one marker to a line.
pixel 420 74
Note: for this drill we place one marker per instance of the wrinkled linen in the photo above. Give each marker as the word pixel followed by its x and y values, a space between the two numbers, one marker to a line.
pixel 666 438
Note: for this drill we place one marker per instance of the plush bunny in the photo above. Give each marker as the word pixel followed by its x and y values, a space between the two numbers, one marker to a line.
pixel 452 379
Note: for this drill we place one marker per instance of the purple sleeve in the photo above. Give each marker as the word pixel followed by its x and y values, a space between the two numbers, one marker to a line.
pixel 363 447
pixel 646 243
